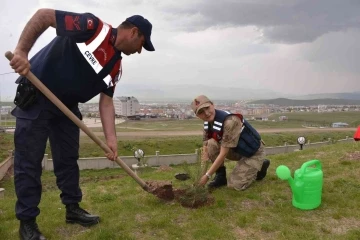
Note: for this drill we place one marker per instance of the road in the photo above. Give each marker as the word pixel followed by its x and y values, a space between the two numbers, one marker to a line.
pixel 96 123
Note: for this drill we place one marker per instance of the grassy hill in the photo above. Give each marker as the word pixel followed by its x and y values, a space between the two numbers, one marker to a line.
pixel 293 102
pixel 344 95
pixel 324 119
pixel 264 211
pixel 7 104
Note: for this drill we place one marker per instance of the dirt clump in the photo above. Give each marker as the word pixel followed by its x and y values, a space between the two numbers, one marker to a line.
pixel 161 189
pixel 191 197
pixel 194 197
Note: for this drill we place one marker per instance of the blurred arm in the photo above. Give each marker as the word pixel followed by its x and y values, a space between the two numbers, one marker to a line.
pixel 39 22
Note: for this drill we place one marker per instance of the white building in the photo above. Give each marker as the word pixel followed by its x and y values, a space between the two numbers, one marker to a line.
pixel 5 110
pixel 126 106
pixel 339 125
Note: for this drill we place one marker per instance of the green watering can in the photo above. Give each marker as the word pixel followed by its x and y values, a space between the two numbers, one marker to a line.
pixel 306 185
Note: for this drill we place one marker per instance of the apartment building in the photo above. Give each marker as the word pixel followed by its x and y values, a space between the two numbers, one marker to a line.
pixel 126 106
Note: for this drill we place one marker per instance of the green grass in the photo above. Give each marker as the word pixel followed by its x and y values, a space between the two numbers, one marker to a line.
pixel 175 145
pixel 158 125
pixel 319 119
pixel 270 124
pixel 188 144
pixel 166 145
pixel 7 123
pixel 6 143
pixel 7 120
pixel 264 211
pixel 189 125
pixel 278 139
pixel 295 120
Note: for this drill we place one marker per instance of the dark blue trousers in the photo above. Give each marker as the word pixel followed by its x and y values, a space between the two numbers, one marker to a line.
pixel 30 142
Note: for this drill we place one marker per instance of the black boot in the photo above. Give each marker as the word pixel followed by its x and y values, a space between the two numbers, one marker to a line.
pixel 29 230
pixel 262 173
pixel 75 214
pixel 220 178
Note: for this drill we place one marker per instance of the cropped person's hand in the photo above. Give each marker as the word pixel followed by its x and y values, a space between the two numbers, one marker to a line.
pixel 113 147
pixel 203 180
pixel 20 63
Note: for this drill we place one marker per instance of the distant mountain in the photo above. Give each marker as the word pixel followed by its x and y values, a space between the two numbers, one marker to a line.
pixel 188 92
pixel 294 102
pixel 182 92
pixel 351 95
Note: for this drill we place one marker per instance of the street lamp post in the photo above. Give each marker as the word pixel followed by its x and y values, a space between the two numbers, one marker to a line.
pixel 301 141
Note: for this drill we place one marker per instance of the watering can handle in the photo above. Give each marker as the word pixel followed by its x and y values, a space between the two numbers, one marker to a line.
pixel 309 163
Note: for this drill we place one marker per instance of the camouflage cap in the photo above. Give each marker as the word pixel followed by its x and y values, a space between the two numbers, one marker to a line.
pixel 200 102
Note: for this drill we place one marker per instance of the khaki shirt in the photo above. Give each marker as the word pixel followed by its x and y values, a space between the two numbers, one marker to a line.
pixel 231 132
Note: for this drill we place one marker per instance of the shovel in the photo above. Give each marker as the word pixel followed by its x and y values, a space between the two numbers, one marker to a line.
pixel 160 190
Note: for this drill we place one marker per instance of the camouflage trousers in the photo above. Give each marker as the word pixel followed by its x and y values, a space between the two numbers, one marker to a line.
pixel 245 171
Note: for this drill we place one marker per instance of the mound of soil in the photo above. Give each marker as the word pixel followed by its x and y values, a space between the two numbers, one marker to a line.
pixel 161 189
pixel 190 198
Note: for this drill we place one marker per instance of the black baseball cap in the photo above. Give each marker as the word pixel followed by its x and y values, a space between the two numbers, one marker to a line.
pixel 145 28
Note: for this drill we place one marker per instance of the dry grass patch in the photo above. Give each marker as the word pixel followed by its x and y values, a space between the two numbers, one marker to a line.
pixel 334 226
pixel 141 218
pixel 322 154
pixel 353 156
pixel 343 225
pixel 250 204
pixel 164 168
pixel 250 233
pixel 68 233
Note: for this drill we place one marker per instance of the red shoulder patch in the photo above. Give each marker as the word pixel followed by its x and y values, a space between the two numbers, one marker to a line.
pixel 72 23
pixel 89 24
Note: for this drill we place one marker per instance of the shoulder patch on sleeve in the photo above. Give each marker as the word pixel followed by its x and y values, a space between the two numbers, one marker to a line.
pixel 90 23
pixel 72 23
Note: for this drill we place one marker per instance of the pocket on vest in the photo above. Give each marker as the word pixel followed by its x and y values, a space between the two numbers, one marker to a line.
pixel 248 145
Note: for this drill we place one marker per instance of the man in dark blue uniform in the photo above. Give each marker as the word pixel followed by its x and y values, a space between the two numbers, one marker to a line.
pixel 83 60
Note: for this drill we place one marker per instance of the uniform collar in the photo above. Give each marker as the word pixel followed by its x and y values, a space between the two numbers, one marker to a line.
pixel 113 36
pixel 112 40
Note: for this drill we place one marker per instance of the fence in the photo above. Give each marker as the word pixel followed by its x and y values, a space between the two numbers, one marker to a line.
pixel 157 159
pixel 4 166
pixel 175 159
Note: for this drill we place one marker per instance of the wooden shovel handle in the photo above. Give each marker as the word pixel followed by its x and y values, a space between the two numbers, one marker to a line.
pixel 39 85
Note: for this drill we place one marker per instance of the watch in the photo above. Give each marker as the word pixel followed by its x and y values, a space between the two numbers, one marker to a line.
pixel 208 175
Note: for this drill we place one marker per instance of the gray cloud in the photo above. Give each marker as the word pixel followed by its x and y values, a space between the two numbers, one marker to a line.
pixel 292 21
pixel 284 46
pixel 337 51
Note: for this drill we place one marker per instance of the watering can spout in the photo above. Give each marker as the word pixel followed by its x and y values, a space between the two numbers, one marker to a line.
pixel 292 184
pixel 283 172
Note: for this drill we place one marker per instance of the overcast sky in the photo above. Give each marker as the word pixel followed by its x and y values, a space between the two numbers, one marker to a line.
pixel 285 46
